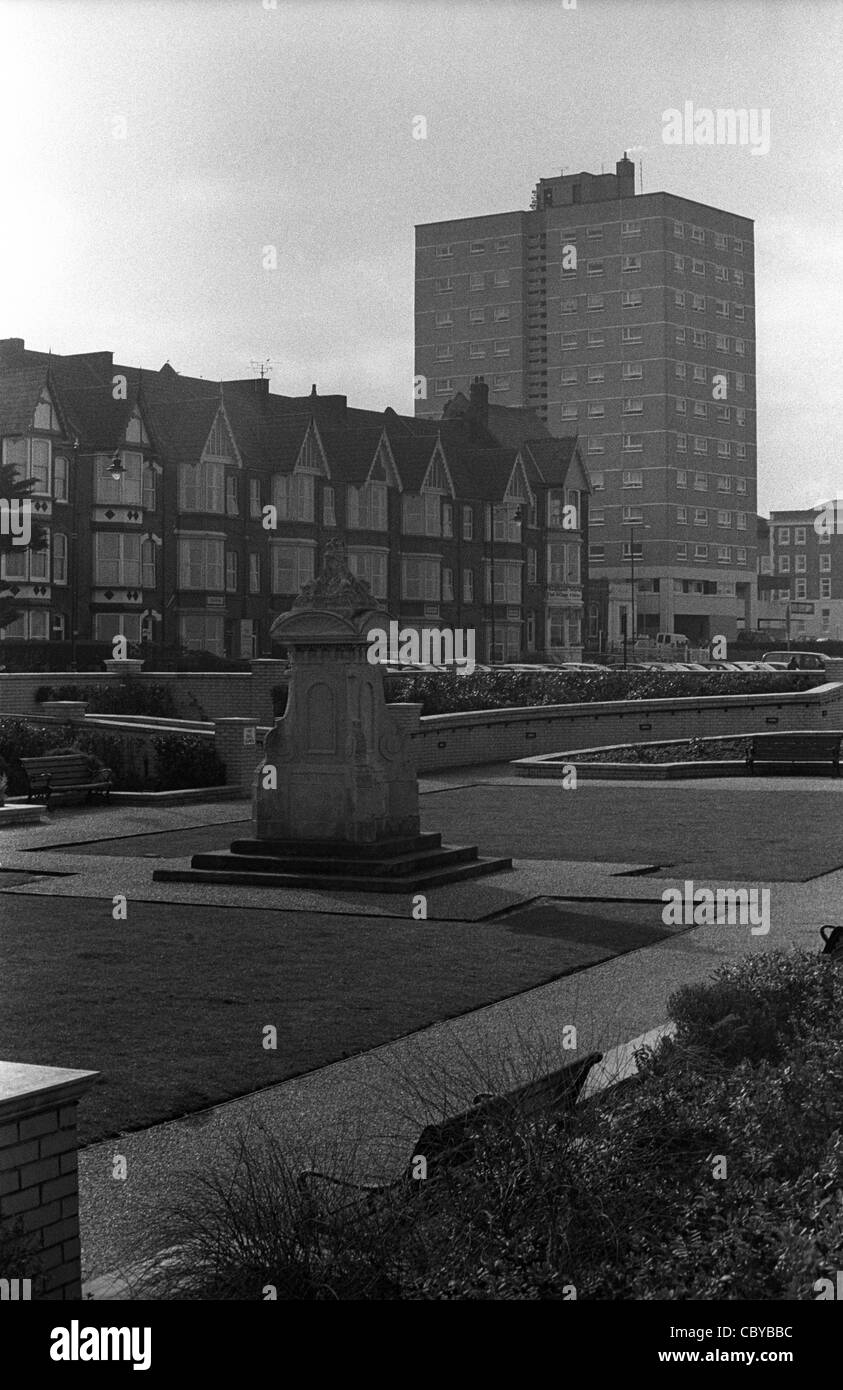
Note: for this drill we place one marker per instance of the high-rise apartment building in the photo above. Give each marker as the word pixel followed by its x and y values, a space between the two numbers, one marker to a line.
pixel 628 319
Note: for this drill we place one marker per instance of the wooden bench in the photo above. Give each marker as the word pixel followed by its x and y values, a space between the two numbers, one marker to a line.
pixel 456 1141
pixel 800 747
pixel 60 774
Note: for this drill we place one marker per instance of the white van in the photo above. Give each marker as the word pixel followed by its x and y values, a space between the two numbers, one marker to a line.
pixel 672 641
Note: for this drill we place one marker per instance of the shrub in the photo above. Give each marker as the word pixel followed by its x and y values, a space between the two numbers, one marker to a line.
pixel 116 697
pixel 621 1200
pixel 162 762
pixel 187 760
pixel 445 693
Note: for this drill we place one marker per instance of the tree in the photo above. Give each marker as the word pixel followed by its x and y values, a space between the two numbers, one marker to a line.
pixel 13 490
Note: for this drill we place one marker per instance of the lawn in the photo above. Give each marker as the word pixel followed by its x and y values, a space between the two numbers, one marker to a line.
pixel 171 1005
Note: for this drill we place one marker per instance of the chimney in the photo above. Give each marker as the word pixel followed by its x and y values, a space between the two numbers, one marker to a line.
pixel 625 171
pixel 12 352
pixel 479 398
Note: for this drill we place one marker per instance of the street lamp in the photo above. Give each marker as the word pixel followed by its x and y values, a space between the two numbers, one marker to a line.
pixel 631 525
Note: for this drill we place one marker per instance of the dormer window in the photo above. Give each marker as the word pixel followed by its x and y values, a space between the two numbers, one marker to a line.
pixel 45 417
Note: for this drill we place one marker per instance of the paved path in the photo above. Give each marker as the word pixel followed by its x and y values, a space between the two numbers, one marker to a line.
pixel 767 832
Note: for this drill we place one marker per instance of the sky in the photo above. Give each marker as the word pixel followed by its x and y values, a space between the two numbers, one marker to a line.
pixel 151 151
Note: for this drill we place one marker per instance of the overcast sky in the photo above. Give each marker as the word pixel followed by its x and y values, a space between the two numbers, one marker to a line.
pixel 150 151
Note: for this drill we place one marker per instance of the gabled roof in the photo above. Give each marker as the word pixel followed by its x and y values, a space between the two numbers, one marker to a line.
pixel 551 458
pixel 350 452
pixel 19 393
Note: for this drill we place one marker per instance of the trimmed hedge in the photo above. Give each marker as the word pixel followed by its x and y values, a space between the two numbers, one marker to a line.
pixel 115 697
pixel 163 762
pixel 449 694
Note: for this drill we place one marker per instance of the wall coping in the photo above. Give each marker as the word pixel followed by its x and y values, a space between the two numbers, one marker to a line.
pixel 25 1087
pixel 819 694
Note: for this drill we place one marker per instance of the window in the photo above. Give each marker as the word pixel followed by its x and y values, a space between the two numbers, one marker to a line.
pixel 724 448
pixel 679 301
pixel 500 313
pixel 447 585
pixel 501 277
pixel 697 234
pixel 633 478
pixel 562 564
pixel 596 554
pixel 467 523
pixel 682 516
pixel 110 625
pixel 740 347
pixel 679 370
pixel 698 267
pixel 740 450
pixel 125 491
pixel 632 299
pixel 500 383
pixel 724 518
pixel 444 283
pixel 254 572
pixel 680 405
pixel 721 308
pixel 203 632
pixel 292 566
pixel 740 313
pixel 700 552
pixel 801 564
pixel 679 263
pixel 632 550
pixel 596 338
pixel 825 588
pixel 443 385
pixel 799 535
pixel 60 478
pixel 59 549
pixel 255 499
pixel 740 381
pixel 784 564
pixel 700 445
pixel 720 241
pixel 700 516
pixel 632 515
pixel 501 245
pixel 502 348
pixel 595 267
pixel 632 443
pixel 444 352
pixel 595 408
pixel 740 415
pixel 632 335
pixel 569 342
pixel 420 578
pixel 569 412
pixel 200 487
pixel 117 559
pixel 724 554
pixel 444 250
pixel 444 318
pixel 825 564
pixel 679 229
pixel 594 233
pixel 698 302
pixel 231 571
pixel 630 229
pixel 569 376
pixel 740 554
pixel 681 443
pixel 532 564
pixel 721 272
pixel 597 516
pixel 737 245
pixel 633 405
pixel 149 564
pixel 630 263
pixel 477 349
pixel 596 444
pixel 700 408
pixel 468 586
pixel 724 483
pixel 148 488
pixel 681 477
pixel 698 335
pixel 701 482
pixel 800 588
pixel 200 562
pixel 597 482
pixel 366 507
pixel 682 550
pixel 371 567
pixel 293 495
pixel 476 248
pixel 595 301
pixel 632 371
pixel 329 514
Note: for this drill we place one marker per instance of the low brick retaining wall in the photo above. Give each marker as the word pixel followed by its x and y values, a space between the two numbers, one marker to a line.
pixel 490 736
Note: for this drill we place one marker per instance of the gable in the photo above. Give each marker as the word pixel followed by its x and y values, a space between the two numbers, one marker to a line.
pixel 45 416
pixel 438 476
pixel 383 469
pixel 136 429
pixel 220 442
pixel 311 456
pixel 577 476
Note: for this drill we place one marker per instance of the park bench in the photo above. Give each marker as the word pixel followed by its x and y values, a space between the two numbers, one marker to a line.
pixel 800 747
pixel 454 1142
pixel 60 774
pixel 832 943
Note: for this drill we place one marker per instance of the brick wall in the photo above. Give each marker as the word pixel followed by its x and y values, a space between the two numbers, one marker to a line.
pixel 39 1194
pixel 198 694
pixel 490 736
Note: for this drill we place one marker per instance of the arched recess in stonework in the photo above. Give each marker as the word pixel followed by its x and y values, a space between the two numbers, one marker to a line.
pixel 321 719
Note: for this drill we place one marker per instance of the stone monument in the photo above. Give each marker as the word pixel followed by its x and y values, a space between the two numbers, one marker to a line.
pixel 336 800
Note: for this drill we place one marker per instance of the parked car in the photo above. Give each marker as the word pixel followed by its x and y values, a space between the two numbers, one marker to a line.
pixel 805 661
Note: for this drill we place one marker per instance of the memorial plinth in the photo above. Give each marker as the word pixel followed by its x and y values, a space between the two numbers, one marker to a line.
pixel 336 798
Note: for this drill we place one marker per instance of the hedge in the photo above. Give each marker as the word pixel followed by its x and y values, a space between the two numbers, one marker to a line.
pixel 161 762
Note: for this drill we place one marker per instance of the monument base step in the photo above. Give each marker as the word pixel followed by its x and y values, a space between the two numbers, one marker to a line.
pixel 340 865
pixel 349 876
pixel 339 849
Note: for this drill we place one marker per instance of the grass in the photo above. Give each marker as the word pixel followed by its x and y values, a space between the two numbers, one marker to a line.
pixel 715 1177
pixel 170 1005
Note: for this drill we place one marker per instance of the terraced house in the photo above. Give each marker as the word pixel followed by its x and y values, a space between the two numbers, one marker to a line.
pixel 186 514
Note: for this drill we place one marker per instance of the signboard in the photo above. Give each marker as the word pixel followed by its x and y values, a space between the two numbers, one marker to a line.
pixel 249 737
